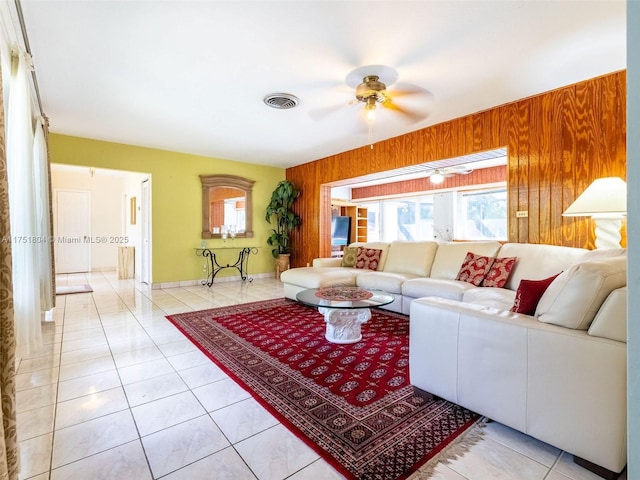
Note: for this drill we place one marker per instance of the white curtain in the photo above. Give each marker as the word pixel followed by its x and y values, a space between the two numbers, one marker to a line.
pixel 22 208
pixel 43 216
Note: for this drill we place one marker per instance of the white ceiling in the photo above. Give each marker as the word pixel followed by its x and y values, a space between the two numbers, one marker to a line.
pixel 190 76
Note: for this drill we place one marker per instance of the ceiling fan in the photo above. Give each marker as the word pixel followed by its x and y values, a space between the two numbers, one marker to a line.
pixel 371 91
pixel 437 175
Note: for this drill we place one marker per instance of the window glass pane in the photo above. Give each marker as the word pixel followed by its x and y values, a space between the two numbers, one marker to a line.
pixel 482 215
pixel 400 219
pixel 389 219
pixel 425 223
pixel 406 211
pixel 415 219
pixel 373 225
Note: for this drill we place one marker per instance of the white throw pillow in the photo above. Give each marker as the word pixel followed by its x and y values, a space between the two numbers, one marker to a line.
pixel 575 296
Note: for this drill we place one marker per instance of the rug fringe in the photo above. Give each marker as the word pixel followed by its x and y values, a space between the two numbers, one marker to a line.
pixel 456 449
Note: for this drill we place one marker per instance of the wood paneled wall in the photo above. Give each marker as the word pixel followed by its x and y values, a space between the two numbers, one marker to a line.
pixel 477 177
pixel 557 143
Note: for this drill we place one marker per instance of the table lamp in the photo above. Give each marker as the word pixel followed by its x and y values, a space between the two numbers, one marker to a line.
pixel 605 201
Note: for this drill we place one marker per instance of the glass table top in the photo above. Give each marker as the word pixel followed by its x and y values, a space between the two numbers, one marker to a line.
pixel 344 297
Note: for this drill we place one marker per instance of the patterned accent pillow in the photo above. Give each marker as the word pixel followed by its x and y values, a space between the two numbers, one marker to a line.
pixel 474 268
pixel 368 258
pixel 499 272
pixel 349 255
pixel 529 294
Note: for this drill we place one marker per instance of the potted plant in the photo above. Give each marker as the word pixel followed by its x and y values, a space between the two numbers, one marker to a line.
pixel 279 208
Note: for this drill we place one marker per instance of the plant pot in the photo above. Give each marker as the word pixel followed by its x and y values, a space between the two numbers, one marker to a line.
pixel 282 264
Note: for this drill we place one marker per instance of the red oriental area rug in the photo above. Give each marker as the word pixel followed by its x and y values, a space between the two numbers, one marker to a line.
pixel 353 404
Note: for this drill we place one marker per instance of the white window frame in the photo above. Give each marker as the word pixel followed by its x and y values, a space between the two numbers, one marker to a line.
pixel 462 229
pixel 446 214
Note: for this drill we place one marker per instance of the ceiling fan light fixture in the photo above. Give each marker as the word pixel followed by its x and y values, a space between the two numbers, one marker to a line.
pixel 436 177
pixel 370 108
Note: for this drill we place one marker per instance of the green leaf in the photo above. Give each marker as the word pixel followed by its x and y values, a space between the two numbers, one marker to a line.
pixel 282 199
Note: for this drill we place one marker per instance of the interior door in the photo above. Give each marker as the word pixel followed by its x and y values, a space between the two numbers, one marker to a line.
pixel 145 219
pixel 72 231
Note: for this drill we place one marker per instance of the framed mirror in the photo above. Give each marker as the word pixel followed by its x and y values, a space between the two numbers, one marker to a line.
pixel 226 206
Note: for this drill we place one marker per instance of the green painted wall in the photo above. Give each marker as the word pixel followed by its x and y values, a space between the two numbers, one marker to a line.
pixel 176 199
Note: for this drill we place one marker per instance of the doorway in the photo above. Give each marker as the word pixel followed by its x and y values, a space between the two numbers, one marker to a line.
pixel 111 215
pixel 73 231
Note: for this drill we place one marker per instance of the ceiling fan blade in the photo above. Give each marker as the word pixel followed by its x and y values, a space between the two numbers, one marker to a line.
pixel 412 116
pixel 458 170
pixel 408 89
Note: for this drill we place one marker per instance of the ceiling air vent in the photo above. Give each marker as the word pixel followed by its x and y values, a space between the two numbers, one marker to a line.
pixel 281 101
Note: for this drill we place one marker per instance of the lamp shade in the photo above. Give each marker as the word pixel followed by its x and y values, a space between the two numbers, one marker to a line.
pixel 604 197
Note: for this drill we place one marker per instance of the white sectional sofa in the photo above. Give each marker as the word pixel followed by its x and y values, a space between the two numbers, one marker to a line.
pixel 558 374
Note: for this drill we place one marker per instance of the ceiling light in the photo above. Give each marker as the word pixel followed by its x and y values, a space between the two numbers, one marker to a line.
pixel 436 177
pixel 371 113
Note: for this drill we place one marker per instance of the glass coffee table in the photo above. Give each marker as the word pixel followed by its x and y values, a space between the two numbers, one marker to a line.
pixel 345 309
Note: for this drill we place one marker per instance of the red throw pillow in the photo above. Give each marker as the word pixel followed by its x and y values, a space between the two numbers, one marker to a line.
pixel 368 258
pixel 474 268
pixel 529 294
pixel 499 272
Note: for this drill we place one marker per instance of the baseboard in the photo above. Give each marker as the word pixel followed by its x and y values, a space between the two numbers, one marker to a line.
pixel 597 469
pixel 192 283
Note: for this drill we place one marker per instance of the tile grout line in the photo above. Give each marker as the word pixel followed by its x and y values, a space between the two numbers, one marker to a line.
pixel 57 388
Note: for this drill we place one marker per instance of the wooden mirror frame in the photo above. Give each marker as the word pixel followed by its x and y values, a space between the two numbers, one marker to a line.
pixel 229 181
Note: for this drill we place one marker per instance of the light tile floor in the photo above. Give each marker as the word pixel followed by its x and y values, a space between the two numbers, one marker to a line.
pixel 116 392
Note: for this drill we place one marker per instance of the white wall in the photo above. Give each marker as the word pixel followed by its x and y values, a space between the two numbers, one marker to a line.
pixel 343 193
pixel 111 191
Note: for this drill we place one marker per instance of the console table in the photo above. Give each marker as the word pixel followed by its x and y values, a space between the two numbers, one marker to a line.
pixel 213 265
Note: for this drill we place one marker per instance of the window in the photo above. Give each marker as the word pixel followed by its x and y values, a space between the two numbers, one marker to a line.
pixel 481 215
pixel 409 218
pixel 415 218
pixel 478 214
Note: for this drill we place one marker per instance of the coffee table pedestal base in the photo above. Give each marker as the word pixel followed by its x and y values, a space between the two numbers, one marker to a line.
pixel 343 326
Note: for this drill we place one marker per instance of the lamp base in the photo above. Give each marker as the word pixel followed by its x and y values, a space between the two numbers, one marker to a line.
pixel 608 231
